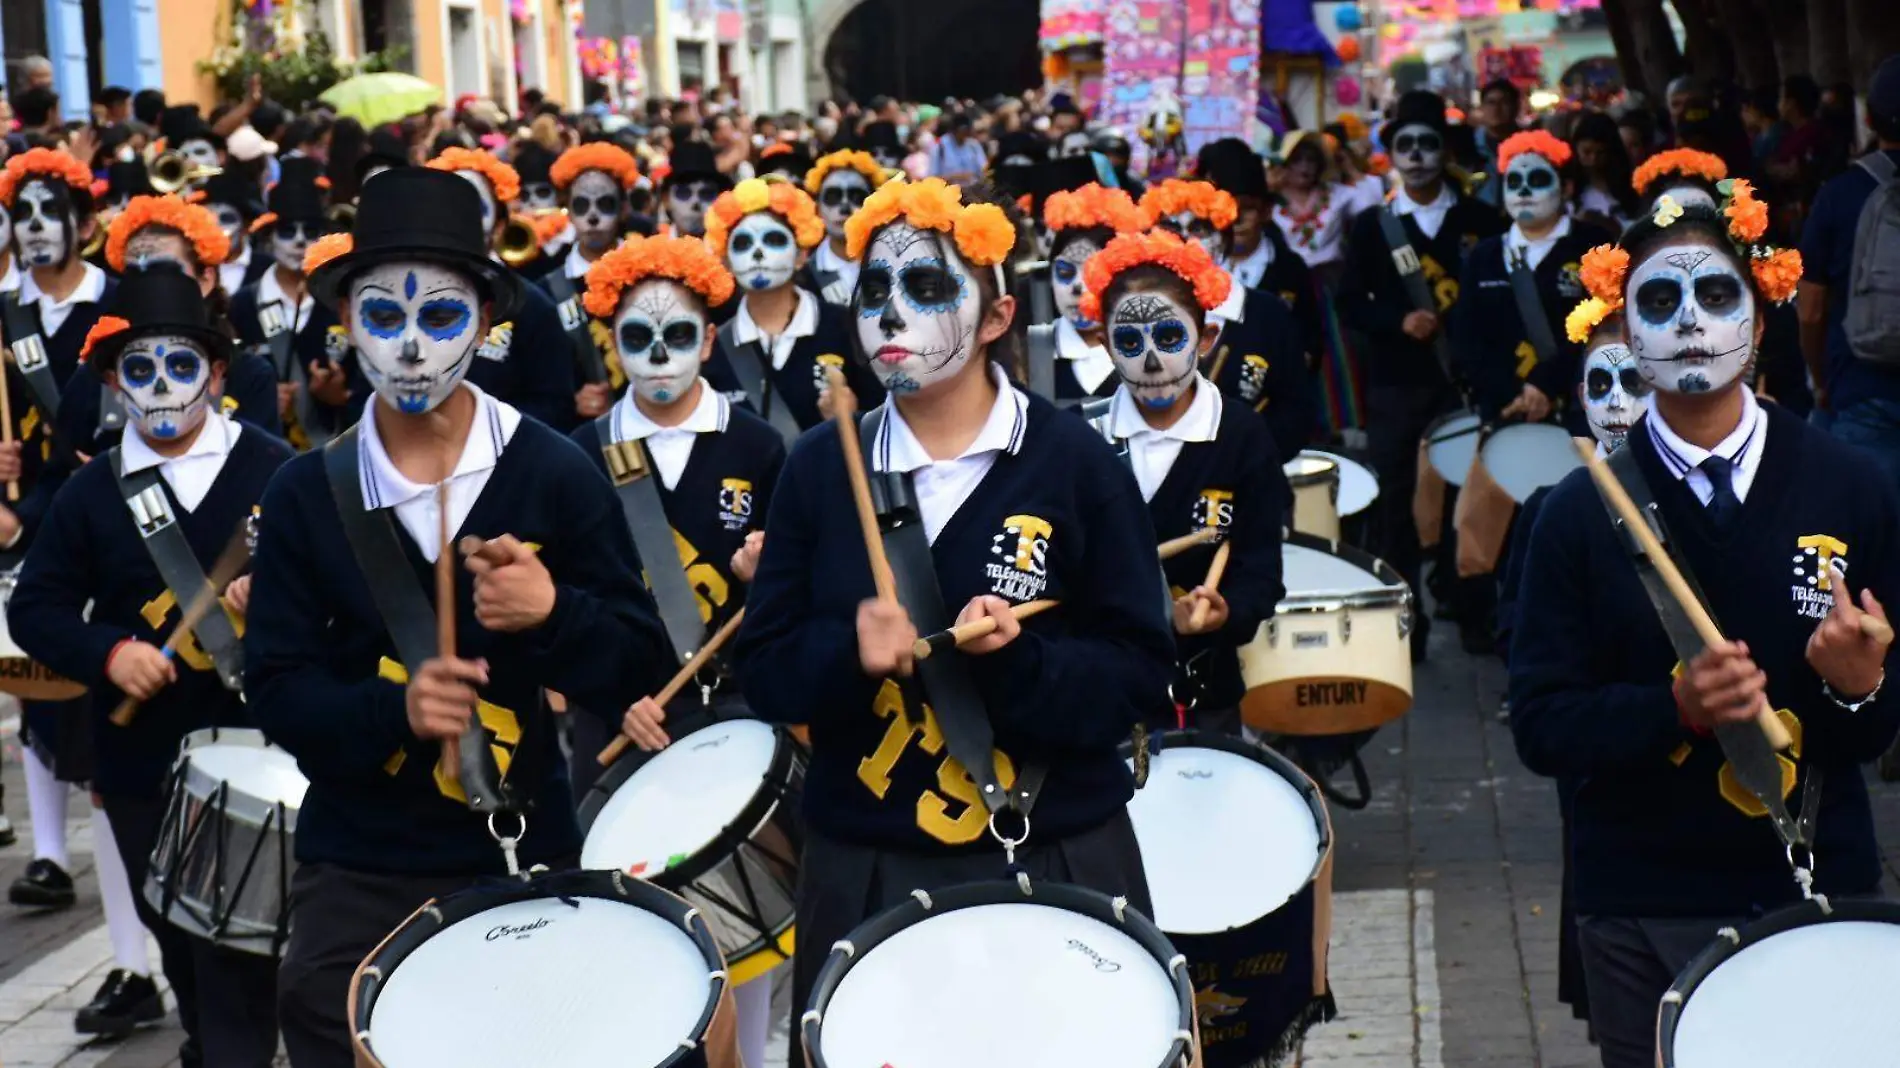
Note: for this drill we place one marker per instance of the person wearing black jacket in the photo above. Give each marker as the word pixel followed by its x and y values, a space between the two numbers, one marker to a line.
pixel 593 182
pixel 1257 255
pixel 234 201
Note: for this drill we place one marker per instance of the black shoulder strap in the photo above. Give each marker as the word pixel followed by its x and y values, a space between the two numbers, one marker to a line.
pixel 750 369
pixel 407 613
pixel 165 543
pixel 1530 307
pixel 574 321
pixel 636 484
pixel 29 352
pixel 111 411
pixel 1405 261
pixel 280 338
pixel 1042 360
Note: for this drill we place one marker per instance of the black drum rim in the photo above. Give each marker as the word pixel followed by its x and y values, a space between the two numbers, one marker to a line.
pixel 1094 904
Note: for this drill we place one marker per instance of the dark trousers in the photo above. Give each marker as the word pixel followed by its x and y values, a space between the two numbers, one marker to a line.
pixel 1397 418
pixel 1628 965
pixel 226 998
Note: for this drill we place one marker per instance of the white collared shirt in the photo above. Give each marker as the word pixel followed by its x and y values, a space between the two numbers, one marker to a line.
pixel 1516 244
pixel 943 485
pixel 1743 449
pixel 671 446
pixel 1249 270
pixel 1152 452
pixel 1090 364
pixel 270 291
pixel 415 504
pixel 827 261
pixel 1234 308
pixel 90 290
pixel 804 323
pixel 1430 217
pixel 10 281
pixel 576 265
pixel 232 271
pixel 191 474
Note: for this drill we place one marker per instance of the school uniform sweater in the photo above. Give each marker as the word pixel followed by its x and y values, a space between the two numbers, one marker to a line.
pixel 320 666
pixel 1654 833
pixel 1491 348
pixel 1289 278
pixel 797 384
pixel 1057 516
pixel 250 394
pixel 1262 366
pixel 600 334
pixel 527 361
pixel 320 338
pixel 34 428
pixel 91 553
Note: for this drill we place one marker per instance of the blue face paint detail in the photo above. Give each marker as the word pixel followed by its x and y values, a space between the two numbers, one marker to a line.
pixel 382 317
pixel 413 403
pixel 760 281
pixel 409 286
pixel 873 297
pixel 932 268
pixel 1158 402
pixel 902 383
pixel 662 395
pixel 1064 271
pixel 1170 336
pixel 444 320
pixel 183 367
pixel 139 370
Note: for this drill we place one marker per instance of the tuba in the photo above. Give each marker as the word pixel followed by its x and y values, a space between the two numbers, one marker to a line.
pixel 520 241
pixel 171 172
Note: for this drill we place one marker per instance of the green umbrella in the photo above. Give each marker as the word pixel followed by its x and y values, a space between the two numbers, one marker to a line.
pixel 374 99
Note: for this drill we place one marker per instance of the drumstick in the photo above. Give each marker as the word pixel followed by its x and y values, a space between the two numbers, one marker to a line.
pixel 964 633
pixel 1198 618
pixel 1638 527
pixel 236 554
pixel 844 410
pixel 678 682
pixel 1174 547
pixel 449 767
pixel 1220 361
pixel 482 549
pixel 1877 629
pixel 6 427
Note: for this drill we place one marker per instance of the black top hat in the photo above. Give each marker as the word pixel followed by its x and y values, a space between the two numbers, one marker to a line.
pixel 1019 148
pixel 181 123
pixel 415 213
pixel 158 299
pixel 230 187
pixel 533 163
pixel 385 148
pixel 128 178
pixel 792 164
pixel 1060 175
pixel 882 135
pixel 297 197
pixel 694 161
pixel 1420 107
pixel 1233 168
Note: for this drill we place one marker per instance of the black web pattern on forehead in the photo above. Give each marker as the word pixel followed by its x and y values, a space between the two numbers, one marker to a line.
pixel 900 237
pixel 1688 261
pixel 1145 308
pixel 655 302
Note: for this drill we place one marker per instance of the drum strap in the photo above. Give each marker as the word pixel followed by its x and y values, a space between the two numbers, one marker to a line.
pixel 1041 340
pixel 1530 308
pixel 1754 764
pixel 946 678
pixel 165 542
pixel 111 411
pixel 407 613
pixel 1405 261
pixel 279 341
pixel 749 367
pixel 29 352
pixel 636 483
pixel 574 321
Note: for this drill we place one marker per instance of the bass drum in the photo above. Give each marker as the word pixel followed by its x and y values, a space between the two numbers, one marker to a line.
pixel 1525 457
pixel 1451 445
pixel 21 676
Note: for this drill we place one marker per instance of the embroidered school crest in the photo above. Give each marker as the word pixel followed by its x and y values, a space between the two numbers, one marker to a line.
pixel 336 343
pixel 1021 571
pixel 495 346
pixel 1289 298
pixel 1816 557
pixel 1213 508
pixel 1253 378
pixel 1570 281
pixel 821 369
pixel 735 503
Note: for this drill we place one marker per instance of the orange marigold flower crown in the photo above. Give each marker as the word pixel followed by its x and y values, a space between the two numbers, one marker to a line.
pixel 326 248
pixel 1201 199
pixel 43 163
pixel 685 260
pixel 845 159
pixel 1539 142
pixel 1187 259
pixel 595 156
pixel 791 204
pixel 773 151
pixel 1092 206
pixel 983 233
pixel 197 225
pixel 502 179
pixel 1777 271
pixel 1679 162
pixel 107 326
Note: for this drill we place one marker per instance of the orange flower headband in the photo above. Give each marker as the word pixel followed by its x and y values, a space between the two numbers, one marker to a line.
pixel 685 260
pixel 326 248
pixel 1187 259
pixel 782 199
pixel 775 150
pixel 1200 199
pixel 107 326
pixel 502 179
pixel 1680 162
pixel 1537 142
pixel 862 162
pixel 594 156
pixel 197 225
pixel 1092 206
pixel 983 233
pixel 43 163
pixel 1777 271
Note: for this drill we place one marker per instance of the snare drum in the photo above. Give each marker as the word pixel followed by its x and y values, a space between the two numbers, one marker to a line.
pixel 1254 922
pixel 1069 977
pixel 714 818
pixel 1337 656
pixel 1451 445
pixel 222 866
pixel 1358 486
pixel 1315 482
pixel 1524 457
pixel 1798 986
pixel 573 969
pixel 19 674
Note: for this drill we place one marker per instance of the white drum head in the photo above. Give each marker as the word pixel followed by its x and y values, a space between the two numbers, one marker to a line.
pixel 1308 465
pixel 1815 995
pixel 1358 486
pixel 542 982
pixel 1060 988
pixel 678 802
pixel 1525 458
pixel 266 773
pixel 1452 452
pixel 1309 571
pixel 1224 839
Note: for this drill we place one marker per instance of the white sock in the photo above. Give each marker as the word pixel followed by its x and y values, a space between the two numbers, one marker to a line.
pixel 122 917
pixel 753 1001
pixel 46 807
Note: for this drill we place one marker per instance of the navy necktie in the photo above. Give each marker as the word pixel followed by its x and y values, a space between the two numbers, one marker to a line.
pixel 1723 506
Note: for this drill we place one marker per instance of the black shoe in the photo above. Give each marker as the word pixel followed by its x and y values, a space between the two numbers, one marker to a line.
pixel 123 1002
pixel 44 886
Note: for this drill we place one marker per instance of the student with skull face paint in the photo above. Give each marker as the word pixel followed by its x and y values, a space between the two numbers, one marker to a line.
pixel 693 181
pixel 1666 849
pixel 186 133
pixel 838 182
pixel 535 166
pixel 124 180
pixel 90 590
pixel 1018 501
pixel 592 181
pixel 378 833
pixel 775 351
pixel 235 203
pixel 1080 223
pixel 1257 255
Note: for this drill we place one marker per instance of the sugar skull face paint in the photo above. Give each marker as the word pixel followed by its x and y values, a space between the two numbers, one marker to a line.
pixel 661 333
pixel 166 382
pixel 1065 273
pixel 1533 192
pixel 842 192
pixel 1073 145
pixel 1691 320
pixel 1614 392
pixel 1418 153
pixel 290 240
pixel 489 210
pixel 199 152
pixel 1155 345
pixel 686 204
pixel 155 244
pixel 593 206
pixel 539 196
pixel 231 221
pixel 43 224
pixel 761 253
pixel 1192 227
pixel 415 325
pixel 918 308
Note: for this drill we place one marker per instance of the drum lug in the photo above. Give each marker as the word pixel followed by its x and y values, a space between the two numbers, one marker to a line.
pixel 1405 617
pixel 1273 632
pixel 1345 626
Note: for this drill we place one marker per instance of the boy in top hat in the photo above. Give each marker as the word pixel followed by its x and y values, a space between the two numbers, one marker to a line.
pixel 1257 255
pixel 186 133
pixel 789 161
pixel 776 350
pixel 363 704
pixel 881 141
pixel 108 584
pixel 693 181
pixel 593 181
pixel 539 199
pixel 232 199
pixel 839 182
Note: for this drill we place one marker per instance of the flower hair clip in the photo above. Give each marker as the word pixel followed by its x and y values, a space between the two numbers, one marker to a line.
pixel 783 199
pixel 1679 163
pixel 686 260
pixel 1186 259
pixel 1603 270
pixel 983 233
pixel 43 163
pixel 107 326
pixel 1585 318
pixel 326 248
pixel 1667 211
pixel 845 159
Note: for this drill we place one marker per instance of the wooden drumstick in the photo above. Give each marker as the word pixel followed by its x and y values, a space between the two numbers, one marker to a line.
pixel 1877 629
pixel 1638 526
pixel 964 633
pixel 481 549
pixel 1198 618
pixel 844 410
pixel 229 563
pixel 449 767
pixel 6 427
pixel 1174 547
pixel 678 682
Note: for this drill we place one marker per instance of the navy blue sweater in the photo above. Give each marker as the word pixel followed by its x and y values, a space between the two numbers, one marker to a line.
pixel 1061 517
pixel 322 340
pixel 35 428
pixel 319 665
pixel 1653 834
pixel 1491 347
pixel 796 384
pixel 91 551
pixel 529 362
pixel 1289 278
pixel 1373 298
pixel 1264 368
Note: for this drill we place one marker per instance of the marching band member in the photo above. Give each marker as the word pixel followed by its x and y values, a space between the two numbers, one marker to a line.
pixel 1668 845
pixel 1199 462
pixel 693 181
pixel 1017 502
pixel 380 830
pixel 233 201
pixel 839 182
pixel 774 352
pixel 1080 223
pixel 1257 255
pixel 1313 211
pixel 93 605
pixel 592 181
